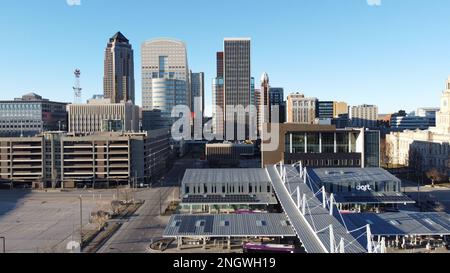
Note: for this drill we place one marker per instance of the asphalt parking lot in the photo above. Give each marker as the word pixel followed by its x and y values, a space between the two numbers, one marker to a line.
pixel 35 222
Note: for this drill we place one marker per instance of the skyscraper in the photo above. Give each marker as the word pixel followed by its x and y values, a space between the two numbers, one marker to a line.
pixel 237 76
pixel 165 78
pixel 264 103
pixel 276 97
pixel 118 81
pixel 218 97
pixel 198 89
pixel 197 108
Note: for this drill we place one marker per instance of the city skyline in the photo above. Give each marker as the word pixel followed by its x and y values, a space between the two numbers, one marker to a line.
pixel 386 51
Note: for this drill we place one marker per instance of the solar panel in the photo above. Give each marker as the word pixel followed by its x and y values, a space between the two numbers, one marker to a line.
pixel 219 199
pixel 188 225
pixel 209 223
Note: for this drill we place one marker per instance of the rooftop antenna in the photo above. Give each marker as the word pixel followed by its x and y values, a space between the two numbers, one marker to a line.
pixel 77 88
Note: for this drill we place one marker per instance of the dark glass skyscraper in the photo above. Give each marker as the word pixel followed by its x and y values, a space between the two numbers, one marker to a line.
pixel 276 97
pixel 237 76
pixel 118 81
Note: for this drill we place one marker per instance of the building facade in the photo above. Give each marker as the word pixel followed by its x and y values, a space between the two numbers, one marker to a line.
pixel 399 123
pixel 340 109
pixel 118 81
pixel 323 146
pixel 198 90
pixel 218 94
pixel 301 109
pixel 325 109
pixel 165 78
pixel 428 112
pixel 228 154
pixel 364 116
pixel 55 157
pixel 427 149
pixel 30 115
pixel 237 77
pixel 103 116
pixel 264 105
pixel 276 97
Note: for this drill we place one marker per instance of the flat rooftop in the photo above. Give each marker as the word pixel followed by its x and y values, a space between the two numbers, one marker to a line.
pixel 214 176
pixel 346 175
pixel 226 225
pixel 230 199
pixel 401 223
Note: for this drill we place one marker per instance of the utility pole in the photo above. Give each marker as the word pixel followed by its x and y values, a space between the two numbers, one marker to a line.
pixel 4 244
pixel 160 196
pixel 81 222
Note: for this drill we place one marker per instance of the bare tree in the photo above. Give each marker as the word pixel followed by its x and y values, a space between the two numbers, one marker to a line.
pixel 415 160
pixel 436 176
pixel 386 152
pixel 99 218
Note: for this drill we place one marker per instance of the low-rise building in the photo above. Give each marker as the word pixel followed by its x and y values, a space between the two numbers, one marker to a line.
pixel 228 154
pixel 30 115
pixel 55 157
pixel 428 112
pixel 323 146
pixel 400 123
pixel 100 115
pixel 427 149
pixel 360 188
pixel 300 109
pixel 206 190
pixel 364 116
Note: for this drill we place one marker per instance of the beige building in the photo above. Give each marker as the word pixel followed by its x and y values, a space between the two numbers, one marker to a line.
pixel 426 149
pixel 364 116
pixel 340 108
pixel 100 115
pixel 301 109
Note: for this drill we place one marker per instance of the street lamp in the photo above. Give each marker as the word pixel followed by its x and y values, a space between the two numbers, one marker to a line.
pixel 160 197
pixel 4 244
pixel 81 221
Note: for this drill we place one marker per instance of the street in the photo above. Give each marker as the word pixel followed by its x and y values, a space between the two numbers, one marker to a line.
pixel 427 193
pixel 147 226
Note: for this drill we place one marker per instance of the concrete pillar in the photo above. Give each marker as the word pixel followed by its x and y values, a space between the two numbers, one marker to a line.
pixel 229 244
pixel 179 243
pixel 204 242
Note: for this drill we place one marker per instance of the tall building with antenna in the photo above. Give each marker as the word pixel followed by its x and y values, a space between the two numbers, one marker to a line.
pixel 118 81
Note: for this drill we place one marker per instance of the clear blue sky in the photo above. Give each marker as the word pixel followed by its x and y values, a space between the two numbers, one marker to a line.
pixel 396 55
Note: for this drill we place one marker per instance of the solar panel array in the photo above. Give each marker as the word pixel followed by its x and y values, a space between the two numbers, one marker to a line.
pixel 374 199
pixel 402 223
pixel 233 225
pixel 221 199
pixel 347 175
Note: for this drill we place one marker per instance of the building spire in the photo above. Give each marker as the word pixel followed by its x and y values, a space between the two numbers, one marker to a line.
pixel 119 37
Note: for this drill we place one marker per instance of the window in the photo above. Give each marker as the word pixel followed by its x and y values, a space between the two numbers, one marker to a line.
pixel 342 140
pixel 313 142
pixel 328 143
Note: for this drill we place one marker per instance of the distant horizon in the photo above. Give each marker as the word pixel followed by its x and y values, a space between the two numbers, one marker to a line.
pixel 393 55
